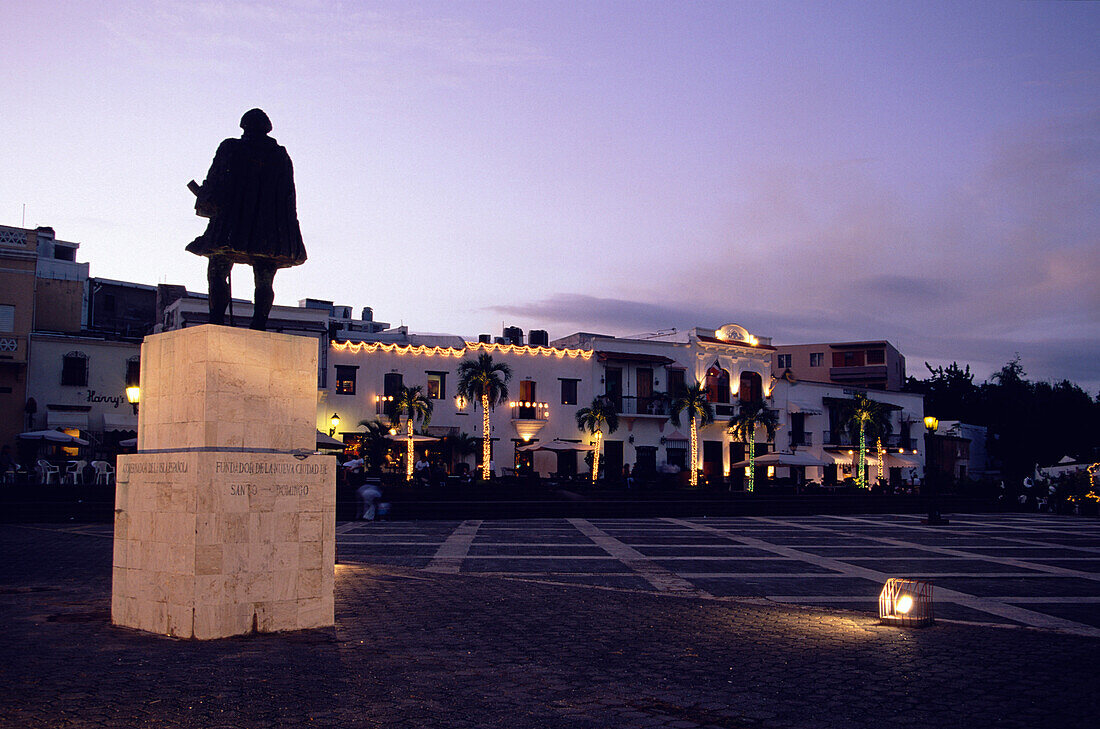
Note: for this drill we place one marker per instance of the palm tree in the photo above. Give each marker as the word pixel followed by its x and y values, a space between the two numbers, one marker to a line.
pixel 484 381
pixel 414 405
pixel 463 445
pixel 375 443
pixel 693 401
pixel 869 417
pixel 592 419
pixel 743 428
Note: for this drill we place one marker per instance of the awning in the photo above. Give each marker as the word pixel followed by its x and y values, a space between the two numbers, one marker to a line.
pixel 893 460
pixel 795 407
pixel 120 421
pixel 676 435
pixel 633 357
pixel 415 438
pixel 66 419
pixel 53 436
pixel 328 441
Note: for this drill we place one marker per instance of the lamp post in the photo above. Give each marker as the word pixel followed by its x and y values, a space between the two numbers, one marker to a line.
pixel 133 396
pixel 931 422
pixel 334 423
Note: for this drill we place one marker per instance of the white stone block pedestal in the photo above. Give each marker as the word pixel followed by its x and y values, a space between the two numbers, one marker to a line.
pixel 222 525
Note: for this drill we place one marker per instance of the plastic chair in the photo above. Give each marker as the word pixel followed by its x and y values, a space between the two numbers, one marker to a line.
pixel 47 471
pixel 74 474
pixel 103 472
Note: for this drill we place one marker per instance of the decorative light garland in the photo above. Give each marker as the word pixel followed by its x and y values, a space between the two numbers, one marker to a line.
pixel 425 350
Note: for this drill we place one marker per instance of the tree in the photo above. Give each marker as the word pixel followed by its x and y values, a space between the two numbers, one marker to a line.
pixel 463 445
pixel 692 400
pixel 486 382
pixel 592 419
pixel 375 444
pixel 867 417
pixel 742 427
pixel 414 405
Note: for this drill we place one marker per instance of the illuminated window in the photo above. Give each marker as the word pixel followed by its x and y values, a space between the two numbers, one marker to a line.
pixel 345 379
pixel 568 391
pixel 817 359
pixel 751 388
pixel 783 361
pixel 718 385
pixel 74 369
pixel 437 385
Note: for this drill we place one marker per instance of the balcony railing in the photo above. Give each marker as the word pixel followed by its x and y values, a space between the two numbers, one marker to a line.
pixel 528 410
pixel 845 438
pixel 631 405
pixel 804 438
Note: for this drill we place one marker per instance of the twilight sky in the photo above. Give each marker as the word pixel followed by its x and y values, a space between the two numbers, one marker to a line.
pixel 926 173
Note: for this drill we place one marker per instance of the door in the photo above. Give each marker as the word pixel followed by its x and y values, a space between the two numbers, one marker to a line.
pixel 712 462
pixel 613 460
pixel 644 377
pixel 737 475
pixel 613 386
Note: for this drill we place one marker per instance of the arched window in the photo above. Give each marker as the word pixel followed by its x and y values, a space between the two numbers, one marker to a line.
pixel 74 369
pixel 718 385
pixel 751 388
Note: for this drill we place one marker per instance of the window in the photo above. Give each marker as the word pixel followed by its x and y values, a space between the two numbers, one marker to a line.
pixel 675 381
pixel 133 371
pixel 718 385
pixel 437 385
pixel 569 391
pixel 392 382
pixel 74 369
pixel 876 356
pixel 345 379
pixel 848 359
pixel 783 361
pixel 751 388
pixel 7 318
pixel 817 359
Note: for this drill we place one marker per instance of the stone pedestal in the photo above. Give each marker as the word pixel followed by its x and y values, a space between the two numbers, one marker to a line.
pixel 223 525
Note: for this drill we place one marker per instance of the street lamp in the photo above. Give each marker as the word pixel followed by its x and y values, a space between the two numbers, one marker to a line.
pixel 133 390
pixel 334 423
pixel 931 422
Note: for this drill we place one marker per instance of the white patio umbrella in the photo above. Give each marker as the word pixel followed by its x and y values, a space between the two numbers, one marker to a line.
pixel 53 436
pixel 782 459
pixel 558 446
pixel 416 438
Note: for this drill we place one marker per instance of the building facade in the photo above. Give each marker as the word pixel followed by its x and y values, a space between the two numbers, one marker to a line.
pixel 875 365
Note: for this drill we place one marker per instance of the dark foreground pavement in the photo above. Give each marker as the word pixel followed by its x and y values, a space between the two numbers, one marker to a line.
pixel 419 649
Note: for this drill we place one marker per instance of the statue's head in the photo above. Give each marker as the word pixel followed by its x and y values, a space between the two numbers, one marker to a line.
pixel 255 121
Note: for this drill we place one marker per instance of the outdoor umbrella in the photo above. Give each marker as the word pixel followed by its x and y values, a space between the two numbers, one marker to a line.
pixel 327 441
pixel 53 436
pixel 128 442
pixel 415 438
pixel 782 459
pixel 557 446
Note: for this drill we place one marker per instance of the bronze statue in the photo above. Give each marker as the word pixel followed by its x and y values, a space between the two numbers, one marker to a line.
pixel 248 195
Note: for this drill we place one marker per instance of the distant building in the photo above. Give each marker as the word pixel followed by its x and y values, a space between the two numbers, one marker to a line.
pixel 961 450
pixel 875 365
pixel 18 260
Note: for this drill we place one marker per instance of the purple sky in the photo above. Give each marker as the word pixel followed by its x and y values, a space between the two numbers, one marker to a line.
pixel 927 173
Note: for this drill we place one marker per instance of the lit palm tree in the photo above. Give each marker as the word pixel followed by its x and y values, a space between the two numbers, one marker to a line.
pixel 743 428
pixel 592 419
pixel 484 381
pixel 692 400
pixel 414 405
pixel 869 417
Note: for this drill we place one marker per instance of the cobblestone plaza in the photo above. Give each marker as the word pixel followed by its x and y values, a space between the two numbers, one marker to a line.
pixel 739 622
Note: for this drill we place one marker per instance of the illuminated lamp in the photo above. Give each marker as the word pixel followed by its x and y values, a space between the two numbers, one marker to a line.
pixel 931 422
pixel 133 396
pixel 460 402
pixel 334 423
pixel 906 603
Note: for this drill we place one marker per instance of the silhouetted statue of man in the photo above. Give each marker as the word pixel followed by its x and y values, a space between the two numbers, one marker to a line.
pixel 248 195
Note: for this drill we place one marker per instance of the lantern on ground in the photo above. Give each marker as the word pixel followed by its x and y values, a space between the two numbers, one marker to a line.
pixel 906 602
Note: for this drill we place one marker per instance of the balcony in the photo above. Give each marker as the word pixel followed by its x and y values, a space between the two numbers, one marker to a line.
pixel 849 440
pixel 524 410
pixel 630 405
pixel 804 438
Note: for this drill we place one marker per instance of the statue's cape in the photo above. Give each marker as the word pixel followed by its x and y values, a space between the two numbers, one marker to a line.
pixel 249 192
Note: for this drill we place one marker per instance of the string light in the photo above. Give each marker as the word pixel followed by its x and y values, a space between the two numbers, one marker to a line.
pixel 425 350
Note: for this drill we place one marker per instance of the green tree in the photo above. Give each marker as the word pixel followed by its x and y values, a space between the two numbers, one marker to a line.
pixel 413 404
pixel 484 381
pixel 692 401
pixel 375 444
pixel 592 419
pixel 866 417
pixel 750 416
pixel 463 445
